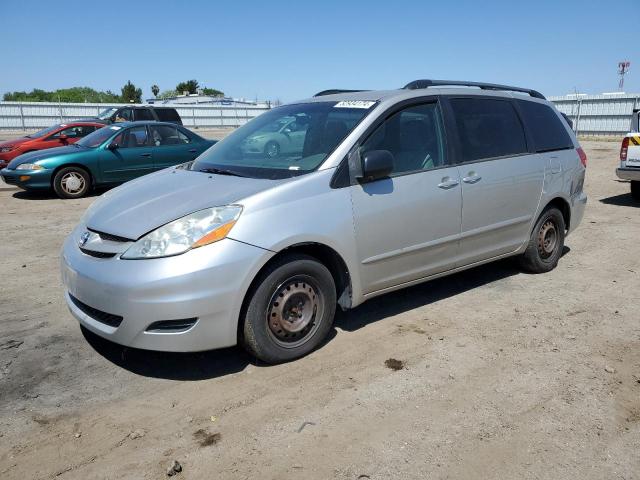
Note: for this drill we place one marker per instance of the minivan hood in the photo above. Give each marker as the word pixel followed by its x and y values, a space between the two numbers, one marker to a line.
pixel 142 205
pixel 32 157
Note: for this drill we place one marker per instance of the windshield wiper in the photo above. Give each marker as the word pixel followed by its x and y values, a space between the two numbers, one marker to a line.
pixel 221 171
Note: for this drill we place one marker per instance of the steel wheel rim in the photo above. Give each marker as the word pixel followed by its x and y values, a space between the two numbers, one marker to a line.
pixel 272 150
pixel 547 239
pixel 294 310
pixel 72 183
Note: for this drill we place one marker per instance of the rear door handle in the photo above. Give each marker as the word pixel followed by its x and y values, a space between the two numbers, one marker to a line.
pixel 193 150
pixel 472 177
pixel 145 154
pixel 447 183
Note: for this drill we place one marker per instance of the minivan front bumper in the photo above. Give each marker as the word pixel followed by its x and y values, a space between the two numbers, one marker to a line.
pixel 203 287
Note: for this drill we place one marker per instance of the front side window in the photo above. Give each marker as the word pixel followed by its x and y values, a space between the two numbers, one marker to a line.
pixel 71 132
pixel 414 136
pixel 135 137
pixel 286 141
pixel 488 128
pixel 124 115
pixel 546 128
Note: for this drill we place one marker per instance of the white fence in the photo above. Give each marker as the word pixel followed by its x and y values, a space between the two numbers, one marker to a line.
pixel 591 114
pixel 599 115
pixel 37 115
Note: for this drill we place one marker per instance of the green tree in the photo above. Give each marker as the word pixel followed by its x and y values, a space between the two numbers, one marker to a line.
pixel 66 95
pixel 190 86
pixel 130 93
pixel 167 94
pixel 212 92
pixel 155 89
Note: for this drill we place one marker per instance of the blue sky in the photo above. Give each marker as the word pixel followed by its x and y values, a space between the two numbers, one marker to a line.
pixel 291 49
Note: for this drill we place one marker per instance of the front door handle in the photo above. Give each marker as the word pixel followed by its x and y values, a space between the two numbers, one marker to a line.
pixel 447 183
pixel 472 177
pixel 145 154
pixel 193 150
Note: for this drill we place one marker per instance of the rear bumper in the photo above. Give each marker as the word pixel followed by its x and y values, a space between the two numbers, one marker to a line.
pixel 577 211
pixel 27 179
pixel 628 173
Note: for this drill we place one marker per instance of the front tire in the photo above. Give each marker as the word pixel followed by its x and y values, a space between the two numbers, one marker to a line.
pixel 635 189
pixel 71 182
pixel 290 311
pixel 546 243
pixel 272 149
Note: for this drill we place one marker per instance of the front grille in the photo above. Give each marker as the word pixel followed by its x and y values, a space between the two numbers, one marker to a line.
pixel 103 317
pixel 9 180
pixel 111 238
pixel 93 253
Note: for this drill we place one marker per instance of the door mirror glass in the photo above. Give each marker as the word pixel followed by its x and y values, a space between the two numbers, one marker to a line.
pixel 113 146
pixel 376 164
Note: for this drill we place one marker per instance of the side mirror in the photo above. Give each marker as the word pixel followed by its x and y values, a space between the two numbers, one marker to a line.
pixel 113 146
pixel 62 137
pixel 376 164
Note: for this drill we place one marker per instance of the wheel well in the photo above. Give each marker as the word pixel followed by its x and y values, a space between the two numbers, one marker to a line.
pixel 77 165
pixel 562 205
pixel 325 255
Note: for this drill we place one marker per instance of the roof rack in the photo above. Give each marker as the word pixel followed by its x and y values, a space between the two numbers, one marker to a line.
pixel 333 91
pixel 418 84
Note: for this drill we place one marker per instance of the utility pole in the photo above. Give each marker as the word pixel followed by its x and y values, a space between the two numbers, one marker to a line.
pixel 623 68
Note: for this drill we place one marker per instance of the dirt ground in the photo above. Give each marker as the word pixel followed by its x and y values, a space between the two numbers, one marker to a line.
pixel 499 374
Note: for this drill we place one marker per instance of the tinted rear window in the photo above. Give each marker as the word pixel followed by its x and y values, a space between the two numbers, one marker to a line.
pixel 167 114
pixel 545 126
pixel 143 114
pixel 488 128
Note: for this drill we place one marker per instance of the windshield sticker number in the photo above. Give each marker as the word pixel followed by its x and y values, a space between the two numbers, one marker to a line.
pixel 354 104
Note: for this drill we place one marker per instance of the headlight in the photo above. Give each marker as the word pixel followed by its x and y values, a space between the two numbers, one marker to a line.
pixel 29 166
pixel 6 149
pixel 195 230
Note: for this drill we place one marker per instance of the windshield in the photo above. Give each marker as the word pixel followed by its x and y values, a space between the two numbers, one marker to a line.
pixel 286 141
pixel 106 114
pixel 46 131
pixel 98 137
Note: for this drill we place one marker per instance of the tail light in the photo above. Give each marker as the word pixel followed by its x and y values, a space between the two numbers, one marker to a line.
pixel 583 156
pixel 623 149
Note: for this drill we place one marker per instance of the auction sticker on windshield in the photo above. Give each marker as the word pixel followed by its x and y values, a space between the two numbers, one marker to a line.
pixel 354 104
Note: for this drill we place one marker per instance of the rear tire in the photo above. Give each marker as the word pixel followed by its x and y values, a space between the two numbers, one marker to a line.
pixel 290 311
pixel 635 189
pixel 546 243
pixel 71 182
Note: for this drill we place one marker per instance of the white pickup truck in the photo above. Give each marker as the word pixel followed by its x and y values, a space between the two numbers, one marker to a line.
pixel 629 168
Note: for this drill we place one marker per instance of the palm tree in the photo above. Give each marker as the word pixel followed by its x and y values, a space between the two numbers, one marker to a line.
pixel 155 89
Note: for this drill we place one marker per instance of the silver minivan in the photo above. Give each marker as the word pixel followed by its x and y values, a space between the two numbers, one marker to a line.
pixel 380 190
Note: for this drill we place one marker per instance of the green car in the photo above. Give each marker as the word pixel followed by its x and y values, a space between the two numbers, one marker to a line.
pixel 109 156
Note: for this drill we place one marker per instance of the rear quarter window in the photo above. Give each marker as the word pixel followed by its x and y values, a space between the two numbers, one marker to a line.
pixel 545 127
pixel 488 128
pixel 167 115
pixel 142 114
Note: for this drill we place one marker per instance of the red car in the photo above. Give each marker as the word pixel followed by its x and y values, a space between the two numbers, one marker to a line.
pixel 56 136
